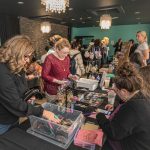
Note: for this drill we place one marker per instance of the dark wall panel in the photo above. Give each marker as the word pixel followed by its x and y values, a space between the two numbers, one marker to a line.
pixel 9 26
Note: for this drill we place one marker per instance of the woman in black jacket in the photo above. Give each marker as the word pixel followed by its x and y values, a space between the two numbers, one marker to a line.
pixel 14 57
pixel 129 129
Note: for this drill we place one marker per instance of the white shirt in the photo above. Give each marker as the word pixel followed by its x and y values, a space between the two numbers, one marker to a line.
pixel 142 47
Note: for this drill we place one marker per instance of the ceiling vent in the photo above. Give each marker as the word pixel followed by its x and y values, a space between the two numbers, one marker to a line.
pixel 113 10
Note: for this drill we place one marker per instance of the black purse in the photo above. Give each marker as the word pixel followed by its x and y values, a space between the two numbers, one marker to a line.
pixel 33 92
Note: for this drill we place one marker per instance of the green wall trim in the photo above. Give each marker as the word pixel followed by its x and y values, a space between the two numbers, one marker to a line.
pixel 125 32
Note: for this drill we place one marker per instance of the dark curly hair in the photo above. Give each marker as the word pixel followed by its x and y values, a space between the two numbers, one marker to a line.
pixel 128 78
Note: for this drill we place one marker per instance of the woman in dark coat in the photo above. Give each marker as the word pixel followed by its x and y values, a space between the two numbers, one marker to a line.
pixel 129 128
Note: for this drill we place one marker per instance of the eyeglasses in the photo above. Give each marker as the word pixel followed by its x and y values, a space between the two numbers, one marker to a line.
pixel 28 56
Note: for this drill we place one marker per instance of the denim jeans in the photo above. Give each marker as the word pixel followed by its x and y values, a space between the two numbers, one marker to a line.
pixel 4 128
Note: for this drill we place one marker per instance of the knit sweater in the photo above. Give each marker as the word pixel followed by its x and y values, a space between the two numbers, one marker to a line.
pixel 54 68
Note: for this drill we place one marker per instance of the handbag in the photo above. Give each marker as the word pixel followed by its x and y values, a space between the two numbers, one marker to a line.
pixel 32 92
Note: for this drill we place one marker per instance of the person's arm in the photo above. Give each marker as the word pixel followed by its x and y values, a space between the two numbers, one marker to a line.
pixel 145 50
pixel 121 126
pixel 80 63
pixel 146 54
pixel 50 116
pixel 46 70
pixel 10 99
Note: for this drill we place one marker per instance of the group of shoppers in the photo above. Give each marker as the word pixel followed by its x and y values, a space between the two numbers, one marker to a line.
pixel 129 126
pixel 15 57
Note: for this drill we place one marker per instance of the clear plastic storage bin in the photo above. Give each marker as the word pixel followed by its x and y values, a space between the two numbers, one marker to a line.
pixel 87 83
pixel 58 134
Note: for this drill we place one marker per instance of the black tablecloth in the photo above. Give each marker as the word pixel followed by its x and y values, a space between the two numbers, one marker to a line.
pixel 18 139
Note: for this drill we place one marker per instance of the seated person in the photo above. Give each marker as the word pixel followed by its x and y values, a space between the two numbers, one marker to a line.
pixel 129 128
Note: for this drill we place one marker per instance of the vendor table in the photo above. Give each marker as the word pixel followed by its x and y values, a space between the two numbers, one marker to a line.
pixel 18 139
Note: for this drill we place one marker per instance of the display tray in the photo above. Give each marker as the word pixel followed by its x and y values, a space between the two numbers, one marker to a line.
pixel 89 102
pixel 85 107
pixel 59 134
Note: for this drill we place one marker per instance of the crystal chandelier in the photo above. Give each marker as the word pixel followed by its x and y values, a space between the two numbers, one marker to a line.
pixel 45 27
pixel 56 6
pixel 105 21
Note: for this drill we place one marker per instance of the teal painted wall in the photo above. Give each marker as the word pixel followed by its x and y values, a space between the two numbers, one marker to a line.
pixel 125 32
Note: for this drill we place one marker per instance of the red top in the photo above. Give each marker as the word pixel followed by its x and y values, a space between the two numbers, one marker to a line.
pixel 54 68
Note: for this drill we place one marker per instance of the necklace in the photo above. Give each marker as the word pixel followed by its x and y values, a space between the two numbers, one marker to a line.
pixel 62 65
pixel 64 69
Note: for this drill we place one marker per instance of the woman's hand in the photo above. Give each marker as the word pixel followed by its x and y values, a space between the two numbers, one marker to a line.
pixel 31 100
pixel 51 116
pixel 60 82
pixel 73 77
pixel 30 77
pixel 109 107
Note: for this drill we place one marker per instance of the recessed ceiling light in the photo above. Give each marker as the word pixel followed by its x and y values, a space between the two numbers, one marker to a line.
pixel 138 18
pixel 89 17
pixel 63 22
pixel 20 3
pixel 137 12
pixel 81 18
pixel 115 17
pixel 70 9
pixel 72 19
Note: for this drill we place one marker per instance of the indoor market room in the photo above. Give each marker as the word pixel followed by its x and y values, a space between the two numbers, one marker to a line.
pixel 74 75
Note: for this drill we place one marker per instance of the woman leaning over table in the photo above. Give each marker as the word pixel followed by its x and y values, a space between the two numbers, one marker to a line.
pixel 129 128
pixel 14 56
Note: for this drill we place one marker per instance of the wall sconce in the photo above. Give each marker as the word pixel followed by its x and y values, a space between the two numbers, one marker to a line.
pixel 45 27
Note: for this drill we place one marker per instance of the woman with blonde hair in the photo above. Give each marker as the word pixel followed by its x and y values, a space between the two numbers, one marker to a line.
pixel 143 46
pixel 15 54
pixel 50 49
pixel 52 40
pixel 56 69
